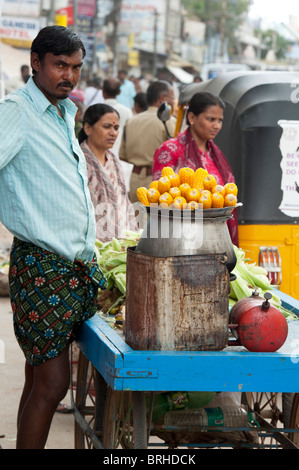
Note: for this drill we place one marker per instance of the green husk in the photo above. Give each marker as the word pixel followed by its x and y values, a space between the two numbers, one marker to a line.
pixel 250 278
pixel 112 259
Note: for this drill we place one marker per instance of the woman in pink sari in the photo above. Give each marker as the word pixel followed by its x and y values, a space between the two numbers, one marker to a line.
pixel 194 148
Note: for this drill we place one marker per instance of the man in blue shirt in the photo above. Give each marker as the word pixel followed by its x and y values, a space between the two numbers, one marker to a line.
pixel 127 90
pixel 46 205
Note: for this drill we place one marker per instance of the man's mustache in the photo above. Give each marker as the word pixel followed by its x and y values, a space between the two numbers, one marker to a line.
pixel 66 84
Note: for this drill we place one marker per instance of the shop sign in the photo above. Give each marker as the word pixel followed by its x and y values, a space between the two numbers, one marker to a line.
pixel 289 147
pixel 23 29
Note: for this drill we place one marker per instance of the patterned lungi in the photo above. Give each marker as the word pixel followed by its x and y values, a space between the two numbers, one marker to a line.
pixel 50 297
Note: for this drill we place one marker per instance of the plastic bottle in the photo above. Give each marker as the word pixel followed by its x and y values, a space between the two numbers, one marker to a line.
pixel 167 401
pixel 225 410
pixel 164 402
pixel 214 417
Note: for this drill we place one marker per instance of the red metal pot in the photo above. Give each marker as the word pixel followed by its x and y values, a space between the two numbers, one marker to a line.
pixel 258 325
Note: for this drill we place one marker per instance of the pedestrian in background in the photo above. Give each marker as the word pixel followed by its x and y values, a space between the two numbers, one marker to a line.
pixel 143 134
pixel 127 90
pixel 113 211
pixel 140 103
pixel 195 148
pixel 93 93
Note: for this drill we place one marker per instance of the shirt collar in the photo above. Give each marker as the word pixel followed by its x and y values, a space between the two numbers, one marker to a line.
pixel 42 103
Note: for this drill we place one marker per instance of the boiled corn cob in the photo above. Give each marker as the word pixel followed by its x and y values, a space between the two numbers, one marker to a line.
pixel 199 175
pixel 217 200
pixel 164 184
pixel 209 182
pixel 187 176
pixel 153 195
pixel 142 196
pixel 167 170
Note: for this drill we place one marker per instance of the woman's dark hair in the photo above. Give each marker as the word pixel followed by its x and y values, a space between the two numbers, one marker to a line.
pixel 201 101
pixel 92 115
pixel 57 40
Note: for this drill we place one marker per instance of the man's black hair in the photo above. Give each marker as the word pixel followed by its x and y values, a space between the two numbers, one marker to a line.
pixel 156 89
pixel 57 40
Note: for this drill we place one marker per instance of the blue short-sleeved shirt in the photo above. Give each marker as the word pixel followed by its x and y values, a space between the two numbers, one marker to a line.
pixel 44 196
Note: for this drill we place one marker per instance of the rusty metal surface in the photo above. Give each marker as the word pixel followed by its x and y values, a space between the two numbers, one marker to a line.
pixel 177 303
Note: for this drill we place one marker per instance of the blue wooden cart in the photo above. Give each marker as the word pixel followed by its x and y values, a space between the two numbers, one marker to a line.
pixel 114 382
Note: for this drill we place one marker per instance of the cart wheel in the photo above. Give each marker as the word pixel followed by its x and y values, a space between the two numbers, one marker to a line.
pixel 125 421
pixel 265 405
pixel 294 420
pixel 90 399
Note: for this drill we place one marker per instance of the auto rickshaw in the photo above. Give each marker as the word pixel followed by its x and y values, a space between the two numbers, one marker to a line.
pixel 260 139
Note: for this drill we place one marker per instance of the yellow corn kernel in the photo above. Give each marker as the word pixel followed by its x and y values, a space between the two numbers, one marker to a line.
pixel 219 189
pixel 199 175
pixel 165 200
pixel 154 184
pixel 179 203
pixel 174 180
pixel 193 205
pixel 186 175
pixel 192 195
pixel 231 188
pixel 184 188
pixel 209 182
pixel 163 184
pixel 167 170
pixel 205 199
pixel 153 195
pixel 175 192
pixel 230 200
pixel 217 200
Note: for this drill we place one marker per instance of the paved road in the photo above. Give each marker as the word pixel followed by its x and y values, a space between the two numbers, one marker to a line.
pixel 12 379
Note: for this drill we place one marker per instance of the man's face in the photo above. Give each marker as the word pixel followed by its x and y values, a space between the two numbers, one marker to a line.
pixel 169 97
pixel 57 76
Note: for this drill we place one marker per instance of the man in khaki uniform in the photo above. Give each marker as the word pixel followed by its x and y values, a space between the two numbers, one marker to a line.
pixel 143 134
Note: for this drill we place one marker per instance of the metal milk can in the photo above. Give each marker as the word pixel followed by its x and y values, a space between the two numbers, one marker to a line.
pixel 187 232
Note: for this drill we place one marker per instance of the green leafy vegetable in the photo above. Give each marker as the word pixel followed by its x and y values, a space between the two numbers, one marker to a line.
pixel 251 277
pixel 112 259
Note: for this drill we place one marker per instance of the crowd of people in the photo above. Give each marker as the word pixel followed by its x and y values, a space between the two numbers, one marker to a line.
pixel 61 189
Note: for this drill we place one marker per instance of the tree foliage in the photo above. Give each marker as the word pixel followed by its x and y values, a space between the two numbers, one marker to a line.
pixel 220 16
pixel 271 40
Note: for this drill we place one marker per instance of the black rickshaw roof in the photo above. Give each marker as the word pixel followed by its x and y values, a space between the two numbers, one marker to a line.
pixel 244 89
